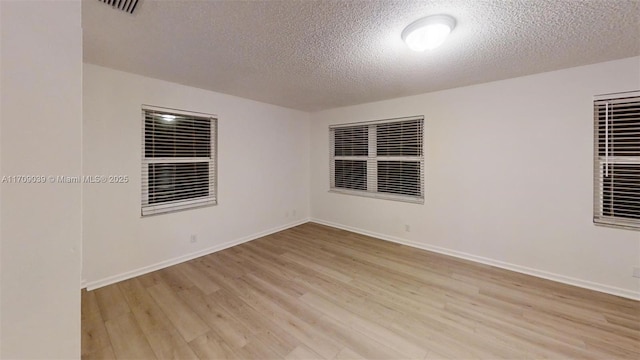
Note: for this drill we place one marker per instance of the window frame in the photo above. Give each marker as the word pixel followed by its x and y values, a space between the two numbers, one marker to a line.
pixel 372 160
pixel 599 162
pixel 183 204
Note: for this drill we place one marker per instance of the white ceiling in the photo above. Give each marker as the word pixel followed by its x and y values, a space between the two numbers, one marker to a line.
pixel 314 55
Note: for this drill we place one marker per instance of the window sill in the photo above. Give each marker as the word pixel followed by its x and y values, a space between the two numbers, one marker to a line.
pixel 383 196
pixel 617 225
pixel 150 210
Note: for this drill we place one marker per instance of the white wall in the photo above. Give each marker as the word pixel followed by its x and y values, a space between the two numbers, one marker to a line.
pixel 40 116
pixel 263 175
pixel 508 177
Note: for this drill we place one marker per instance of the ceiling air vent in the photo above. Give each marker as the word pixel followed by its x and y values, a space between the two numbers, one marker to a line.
pixel 124 5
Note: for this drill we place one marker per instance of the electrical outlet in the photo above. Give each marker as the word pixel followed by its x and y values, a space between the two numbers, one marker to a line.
pixel 407 228
pixel 194 238
pixel 636 271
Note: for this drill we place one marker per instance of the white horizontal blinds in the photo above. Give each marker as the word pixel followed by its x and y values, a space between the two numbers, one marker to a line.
pixel 617 160
pixel 399 158
pixel 351 149
pixel 179 160
pixel 381 158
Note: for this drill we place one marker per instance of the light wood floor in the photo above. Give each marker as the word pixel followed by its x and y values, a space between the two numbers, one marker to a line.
pixel 314 292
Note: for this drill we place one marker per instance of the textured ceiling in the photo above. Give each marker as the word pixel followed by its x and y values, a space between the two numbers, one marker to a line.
pixel 314 55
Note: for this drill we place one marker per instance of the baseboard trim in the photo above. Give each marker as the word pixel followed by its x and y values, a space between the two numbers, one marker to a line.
pixel 92 285
pixel 488 261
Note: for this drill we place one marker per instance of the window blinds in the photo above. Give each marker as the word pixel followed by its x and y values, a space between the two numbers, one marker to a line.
pixel 179 160
pixel 381 159
pixel 617 160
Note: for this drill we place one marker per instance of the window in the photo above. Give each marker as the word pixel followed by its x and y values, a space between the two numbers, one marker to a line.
pixel 382 159
pixel 617 160
pixel 178 160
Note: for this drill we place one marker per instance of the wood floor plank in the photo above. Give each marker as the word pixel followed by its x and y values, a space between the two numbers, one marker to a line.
pixel 632 324
pixel 604 349
pixel 302 352
pixel 317 266
pixel 256 349
pixel 342 335
pixel 150 279
pixel 367 327
pixel 168 344
pixel 262 327
pixel 94 335
pixel 319 292
pixel 89 305
pixel 272 270
pixel 211 346
pixel 231 267
pixel 215 272
pixel 146 310
pixel 111 302
pixel 204 283
pixel 175 279
pixel 303 331
pixel 101 354
pixel 165 340
pixel 218 319
pixel 348 354
pixel 583 331
pixel 127 339
pixel 188 323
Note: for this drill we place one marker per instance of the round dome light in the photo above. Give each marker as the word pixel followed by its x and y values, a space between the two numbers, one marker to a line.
pixel 428 33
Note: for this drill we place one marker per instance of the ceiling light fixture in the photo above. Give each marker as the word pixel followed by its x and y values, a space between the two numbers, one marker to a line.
pixel 428 33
